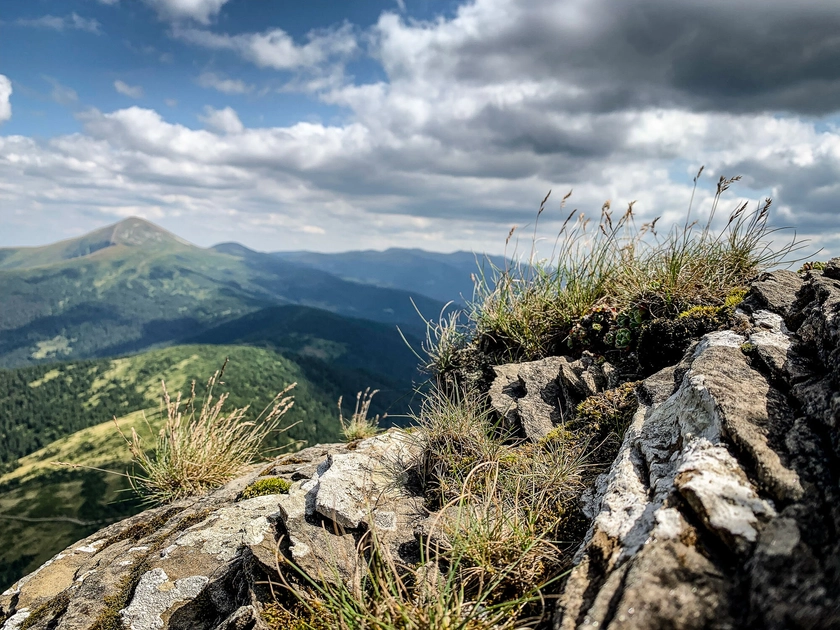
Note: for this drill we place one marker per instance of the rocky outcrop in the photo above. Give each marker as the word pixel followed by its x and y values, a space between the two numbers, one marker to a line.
pixel 535 397
pixel 198 564
pixel 721 509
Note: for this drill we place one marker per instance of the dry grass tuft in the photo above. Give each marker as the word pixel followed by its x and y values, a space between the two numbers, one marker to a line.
pixel 359 426
pixel 393 596
pixel 529 309
pixel 200 447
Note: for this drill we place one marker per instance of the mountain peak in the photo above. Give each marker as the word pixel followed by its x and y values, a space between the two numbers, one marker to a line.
pixel 130 232
pixel 135 231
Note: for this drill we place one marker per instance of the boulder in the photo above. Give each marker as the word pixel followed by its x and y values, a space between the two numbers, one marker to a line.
pixel 535 397
pixel 197 563
pixel 719 508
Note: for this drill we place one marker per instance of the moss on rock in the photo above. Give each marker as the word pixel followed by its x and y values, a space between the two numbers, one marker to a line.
pixel 273 485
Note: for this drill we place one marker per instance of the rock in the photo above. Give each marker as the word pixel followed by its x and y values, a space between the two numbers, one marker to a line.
pixel 358 487
pixel 534 397
pixel 324 552
pixel 775 291
pixel 832 269
pixel 196 564
pixel 719 492
pixel 155 595
pixel 719 508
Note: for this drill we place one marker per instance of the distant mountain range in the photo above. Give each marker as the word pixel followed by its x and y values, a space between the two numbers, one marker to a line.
pixel 134 286
pixel 445 277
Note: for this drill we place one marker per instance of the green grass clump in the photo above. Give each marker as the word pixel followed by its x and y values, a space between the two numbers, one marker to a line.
pixel 431 595
pixel 359 426
pixel 814 265
pixel 530 309
pixel 200 447
pixel 261 487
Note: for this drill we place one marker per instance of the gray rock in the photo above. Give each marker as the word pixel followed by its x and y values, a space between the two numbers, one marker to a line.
pixel 832 269
pixel 535 397
pixel 724 463
pixel 775 291
pixel 359 486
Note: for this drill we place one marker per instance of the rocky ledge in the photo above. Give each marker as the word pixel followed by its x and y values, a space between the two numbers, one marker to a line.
pixel 721 509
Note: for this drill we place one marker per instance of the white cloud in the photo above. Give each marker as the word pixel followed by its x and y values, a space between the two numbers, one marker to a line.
pixel 61 94
pixel 69 22
pixel 476 117
pixel 5 96
pixel 222 84
pixel 222 120
pixel 171 102
pixel 275 48
pixel 199 10
pixel 132 91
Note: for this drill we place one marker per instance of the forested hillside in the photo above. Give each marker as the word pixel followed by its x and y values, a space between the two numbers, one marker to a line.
pixel 43 403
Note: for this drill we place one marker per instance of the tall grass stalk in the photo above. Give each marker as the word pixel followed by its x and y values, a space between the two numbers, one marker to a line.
pixel 527 309
pixel 200 446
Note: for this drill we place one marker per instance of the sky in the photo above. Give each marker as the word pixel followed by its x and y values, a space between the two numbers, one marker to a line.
pixel 440 124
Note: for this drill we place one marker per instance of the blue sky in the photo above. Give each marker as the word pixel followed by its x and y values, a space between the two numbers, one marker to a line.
pixel 434 123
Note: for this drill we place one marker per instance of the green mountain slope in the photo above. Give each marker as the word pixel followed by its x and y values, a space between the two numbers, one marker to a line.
pixel 44 507
pixel 348 342
pixel 133 286
pixel 445 277
pixel 43 403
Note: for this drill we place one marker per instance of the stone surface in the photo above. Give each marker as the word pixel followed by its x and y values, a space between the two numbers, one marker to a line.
pixel 196 564
pixel 358 486
pixel 535 397
pixel 719 509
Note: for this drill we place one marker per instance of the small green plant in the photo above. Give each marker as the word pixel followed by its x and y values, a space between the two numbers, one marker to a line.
pixel 359 426
pixel 813 265
pixel 260 487
pixel 200 447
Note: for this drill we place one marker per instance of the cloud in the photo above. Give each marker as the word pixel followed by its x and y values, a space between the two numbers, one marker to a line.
pixel 61 94
pixel 132 91
pixel 222 120
pixel 69 22
pixel 401 5
pixel 199 10
pixel 5 96
pixel 275 48
pixel 474 118
pixel 171 102
pixel 228 86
